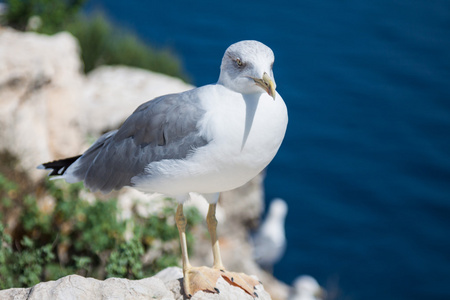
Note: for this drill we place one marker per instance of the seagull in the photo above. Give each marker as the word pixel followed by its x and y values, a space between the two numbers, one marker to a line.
pixel 269 242
pixel 206 140
pixel 306 287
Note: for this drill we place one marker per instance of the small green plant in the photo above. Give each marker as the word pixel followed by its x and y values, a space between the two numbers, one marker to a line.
pixel 26 264
pixel 125 260
pixel 5 255
pixel 104 44
pixel 54 13
pixel 7 191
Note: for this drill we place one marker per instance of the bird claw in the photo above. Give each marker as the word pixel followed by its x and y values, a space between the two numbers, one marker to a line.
pixel 242 281
pixel 204 279
pixel 200 279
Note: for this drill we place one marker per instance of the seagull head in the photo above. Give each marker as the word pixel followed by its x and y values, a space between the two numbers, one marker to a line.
pixel 247 68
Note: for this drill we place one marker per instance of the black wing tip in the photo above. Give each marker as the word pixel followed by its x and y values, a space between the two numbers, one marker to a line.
pixel 58 167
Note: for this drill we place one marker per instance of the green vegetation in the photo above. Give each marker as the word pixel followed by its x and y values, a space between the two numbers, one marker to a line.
pixel 22 268
pixel 104 44
pixel 54 13
pixel 101 42
pixel 73 236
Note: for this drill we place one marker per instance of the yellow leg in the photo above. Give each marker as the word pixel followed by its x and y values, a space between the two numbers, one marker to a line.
pixel 240 280
pixel 181 225
pixel 203 278
pixel 212 228
pixel 194 278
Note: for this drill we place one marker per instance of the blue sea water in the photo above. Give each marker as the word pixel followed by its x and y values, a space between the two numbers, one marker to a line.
pixel 365 165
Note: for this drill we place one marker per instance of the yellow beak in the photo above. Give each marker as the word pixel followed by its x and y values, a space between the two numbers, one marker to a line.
pixel 266 84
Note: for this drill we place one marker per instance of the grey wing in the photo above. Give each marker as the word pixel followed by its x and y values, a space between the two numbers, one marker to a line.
pixel 163 128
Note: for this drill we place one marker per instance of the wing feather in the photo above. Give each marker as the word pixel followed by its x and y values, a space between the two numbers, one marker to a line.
pixel 163 128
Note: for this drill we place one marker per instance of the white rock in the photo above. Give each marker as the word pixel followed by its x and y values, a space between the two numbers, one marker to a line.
pixel 40 84
pixel 78 287
pixel 166 285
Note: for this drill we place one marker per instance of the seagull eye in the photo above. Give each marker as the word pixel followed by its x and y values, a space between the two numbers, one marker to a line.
pixel 239 63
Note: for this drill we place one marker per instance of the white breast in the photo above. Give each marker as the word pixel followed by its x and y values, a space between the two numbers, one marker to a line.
pixel 245 132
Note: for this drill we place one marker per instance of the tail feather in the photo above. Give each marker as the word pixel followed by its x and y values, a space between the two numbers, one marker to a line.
pixel 58 167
